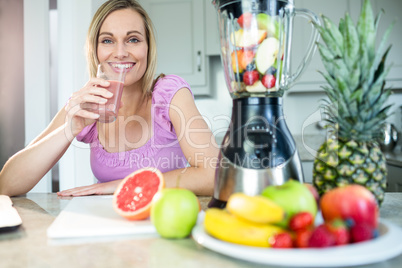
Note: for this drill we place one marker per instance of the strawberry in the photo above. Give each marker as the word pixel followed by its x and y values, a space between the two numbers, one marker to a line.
pixel 321 237
pixel 361 232
pixel 340 231
pixel 250 77
pixel 302 238
pixel 268 81
pixel 301 220
pixel 281 240
pixel 245 20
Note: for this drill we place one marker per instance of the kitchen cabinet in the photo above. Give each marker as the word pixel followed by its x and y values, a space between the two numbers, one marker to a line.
pixel 212 40
pixel 180 38
pixel 311 79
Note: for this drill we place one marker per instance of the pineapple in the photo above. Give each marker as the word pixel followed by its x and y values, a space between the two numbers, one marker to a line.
pixel 356 110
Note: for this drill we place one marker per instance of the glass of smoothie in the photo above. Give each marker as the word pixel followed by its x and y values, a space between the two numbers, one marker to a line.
pixel 115 74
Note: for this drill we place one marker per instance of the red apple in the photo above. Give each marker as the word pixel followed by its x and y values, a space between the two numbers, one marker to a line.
pixel 352 202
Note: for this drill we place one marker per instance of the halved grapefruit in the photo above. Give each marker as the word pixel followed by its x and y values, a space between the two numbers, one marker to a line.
pixel 132 198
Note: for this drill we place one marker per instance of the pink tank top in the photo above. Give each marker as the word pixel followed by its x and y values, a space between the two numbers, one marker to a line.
pixel 161 151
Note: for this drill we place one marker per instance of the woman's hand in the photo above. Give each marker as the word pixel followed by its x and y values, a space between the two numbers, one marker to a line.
pixel 94 189
pixel 80 103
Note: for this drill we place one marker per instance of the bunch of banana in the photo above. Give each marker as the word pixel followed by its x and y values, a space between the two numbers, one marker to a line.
pixel 247 220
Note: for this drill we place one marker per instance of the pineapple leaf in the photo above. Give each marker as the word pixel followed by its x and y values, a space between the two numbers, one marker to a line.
pixel 331 81
pixel 328 40
pixel 344 89
pixel 379 56
pixel 375 93
pixel 366 27
pixel 379 73
pixel 380 102
pixel 325 53
pixel 334 32
pixel 356 72
pixel 365 114
pixel 341 26
pixel 341 70
pixel 351 43
pixel 377 88
pixel 353 108
pixel 377 18
pixel 354 76
pixel 332 95
pixel 357 95
pixel 364 61
pixel 327 58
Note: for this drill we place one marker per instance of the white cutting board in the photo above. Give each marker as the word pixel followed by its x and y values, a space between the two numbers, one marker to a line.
pixel 94 216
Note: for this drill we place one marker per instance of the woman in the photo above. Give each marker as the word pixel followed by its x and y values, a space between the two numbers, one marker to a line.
pixel 158 124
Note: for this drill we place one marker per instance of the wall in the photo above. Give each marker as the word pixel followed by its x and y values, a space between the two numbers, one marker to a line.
pixel 11 83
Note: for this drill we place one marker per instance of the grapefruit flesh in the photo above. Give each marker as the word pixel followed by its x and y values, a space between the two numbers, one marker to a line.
pixel 132 198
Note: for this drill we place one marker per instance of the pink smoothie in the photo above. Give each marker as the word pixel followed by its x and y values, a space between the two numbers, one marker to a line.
pixel 108 111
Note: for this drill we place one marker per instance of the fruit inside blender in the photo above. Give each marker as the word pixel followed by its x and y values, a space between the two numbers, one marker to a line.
pixel 256 55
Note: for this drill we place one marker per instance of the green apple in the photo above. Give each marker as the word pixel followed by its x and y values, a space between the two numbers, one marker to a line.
pixel 248 38
pixel 293 197
pixel 266 54
pixel 265 22
pixel 174 212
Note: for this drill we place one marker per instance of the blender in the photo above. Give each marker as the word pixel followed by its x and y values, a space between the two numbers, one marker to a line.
pixel 258 149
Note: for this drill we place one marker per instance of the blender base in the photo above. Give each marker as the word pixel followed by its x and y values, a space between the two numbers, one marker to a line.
pixel 258 150
pixel 216 203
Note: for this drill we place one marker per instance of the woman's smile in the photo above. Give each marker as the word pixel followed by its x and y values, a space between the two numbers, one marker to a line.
pixel 117 66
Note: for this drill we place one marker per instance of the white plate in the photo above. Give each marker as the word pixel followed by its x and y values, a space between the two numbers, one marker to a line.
pixel 386 246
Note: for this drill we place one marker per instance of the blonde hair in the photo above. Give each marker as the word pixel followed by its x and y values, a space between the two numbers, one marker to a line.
pixel 93 34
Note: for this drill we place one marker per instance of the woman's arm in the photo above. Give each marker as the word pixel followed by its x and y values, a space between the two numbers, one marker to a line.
pixel 197 143
pixel 26 168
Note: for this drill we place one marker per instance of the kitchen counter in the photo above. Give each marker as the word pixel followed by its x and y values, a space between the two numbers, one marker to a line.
pixel 29 246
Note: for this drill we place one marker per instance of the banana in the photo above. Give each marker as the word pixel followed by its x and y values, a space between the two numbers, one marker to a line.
pixel 225 226
pixel 258 209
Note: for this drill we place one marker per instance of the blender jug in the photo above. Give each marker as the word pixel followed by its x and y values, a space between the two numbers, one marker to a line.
pixel 258 149
pixel 256 40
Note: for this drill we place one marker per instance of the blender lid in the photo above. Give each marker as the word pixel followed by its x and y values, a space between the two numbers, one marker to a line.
pixel 218 3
